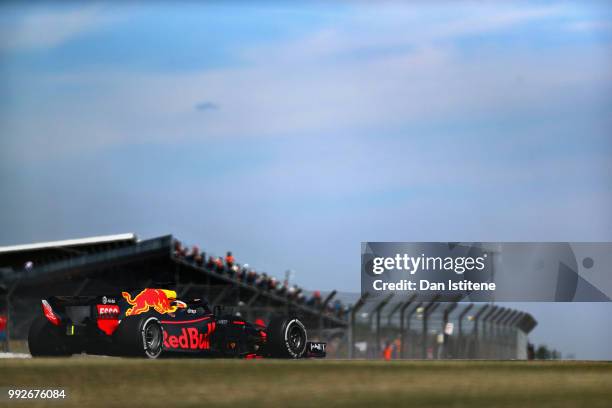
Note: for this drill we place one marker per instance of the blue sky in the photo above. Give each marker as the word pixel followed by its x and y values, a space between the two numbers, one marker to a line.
pixel 291 133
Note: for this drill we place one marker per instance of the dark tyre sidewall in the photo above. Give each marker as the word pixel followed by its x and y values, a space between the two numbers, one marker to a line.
pixel 130 337
pixel 279 338
pixel 295 351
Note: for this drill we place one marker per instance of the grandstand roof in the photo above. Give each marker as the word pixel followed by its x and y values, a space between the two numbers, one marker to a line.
pixel 103 239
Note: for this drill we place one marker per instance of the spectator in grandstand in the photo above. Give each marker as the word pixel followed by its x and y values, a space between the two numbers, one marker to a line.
pixel 219 264
pixel 233 270
pixel 262 281
pixel 281 289
pixel 191 254
pixel 251 277
pixel 291 291
pixel 242 275
pixel 229 259
pixel 210 262
pixel 314 299
pixel 295 293
pixel 178 248
pixel 199 259
pixel 248 275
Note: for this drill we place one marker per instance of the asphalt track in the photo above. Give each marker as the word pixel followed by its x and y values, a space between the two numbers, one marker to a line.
pixel 116 382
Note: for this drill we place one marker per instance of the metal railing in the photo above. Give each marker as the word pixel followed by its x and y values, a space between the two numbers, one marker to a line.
pixel 434 330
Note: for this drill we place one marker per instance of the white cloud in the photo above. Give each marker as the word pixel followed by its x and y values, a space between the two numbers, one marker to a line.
pixel 287 89
pixel 374 27
pixel 42 29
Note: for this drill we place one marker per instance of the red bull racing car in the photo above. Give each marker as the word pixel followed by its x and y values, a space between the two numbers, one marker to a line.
pixel 153 322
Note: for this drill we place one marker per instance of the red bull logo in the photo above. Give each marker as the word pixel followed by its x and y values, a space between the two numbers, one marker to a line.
pixel 189 339
pixel 161 300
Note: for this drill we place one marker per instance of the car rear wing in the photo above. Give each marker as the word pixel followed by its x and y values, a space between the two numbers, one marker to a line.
pixel 78 310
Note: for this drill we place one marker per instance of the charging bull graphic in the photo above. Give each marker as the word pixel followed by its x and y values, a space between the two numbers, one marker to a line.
pixel 161 300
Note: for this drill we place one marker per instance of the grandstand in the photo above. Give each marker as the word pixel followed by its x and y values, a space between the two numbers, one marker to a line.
pixel 120 262
pixel 109 264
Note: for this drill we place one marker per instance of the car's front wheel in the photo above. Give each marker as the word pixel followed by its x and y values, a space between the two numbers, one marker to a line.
pixel 286 338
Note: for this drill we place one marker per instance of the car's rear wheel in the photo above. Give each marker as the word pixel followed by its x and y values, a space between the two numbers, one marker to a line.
pixel 286 338
pixel 140 336
pixel 47 340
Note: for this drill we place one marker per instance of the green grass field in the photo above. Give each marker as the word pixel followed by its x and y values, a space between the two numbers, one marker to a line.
pixel 115 382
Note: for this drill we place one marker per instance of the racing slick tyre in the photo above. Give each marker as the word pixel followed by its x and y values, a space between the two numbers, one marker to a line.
pixel 286 338
pixel 139 336
pixel 46 340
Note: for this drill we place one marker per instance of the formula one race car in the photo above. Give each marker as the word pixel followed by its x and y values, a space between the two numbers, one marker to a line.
pixel 152 323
